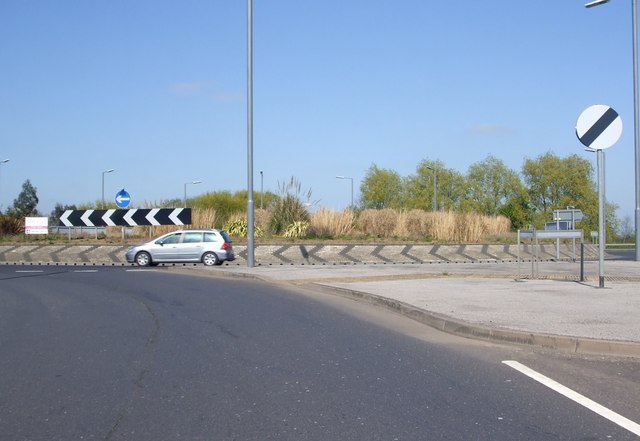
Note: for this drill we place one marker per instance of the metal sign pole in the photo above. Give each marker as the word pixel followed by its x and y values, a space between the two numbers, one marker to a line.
pixel 601 223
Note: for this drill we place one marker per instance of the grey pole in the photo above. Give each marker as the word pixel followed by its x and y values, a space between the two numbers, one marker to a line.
pixel 184 200
pixel 347 177
pixel 636 111
pixel 261 188
pixel 435 189
pixel 351 193
pixel 435 196
pixel 104 173
pixel 636 121
pixel 601 221
pixel 250 214
pixel 4 161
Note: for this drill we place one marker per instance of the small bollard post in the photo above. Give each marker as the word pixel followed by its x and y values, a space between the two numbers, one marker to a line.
pixel 582 261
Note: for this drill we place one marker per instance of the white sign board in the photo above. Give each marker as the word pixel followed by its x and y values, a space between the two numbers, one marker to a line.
pixel 36 225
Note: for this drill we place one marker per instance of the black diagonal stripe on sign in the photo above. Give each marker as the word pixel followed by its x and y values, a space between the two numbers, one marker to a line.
pixel 600 126
pixel 117 217
pixel 96 218
pixel 140 216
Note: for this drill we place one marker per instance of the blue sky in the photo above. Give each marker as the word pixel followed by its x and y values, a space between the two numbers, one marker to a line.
pixel 157 91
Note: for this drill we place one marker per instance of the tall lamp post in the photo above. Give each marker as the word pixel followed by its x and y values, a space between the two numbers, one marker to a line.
pixel 636 110
pixel 261 188
pixel 104 173
pixel 351 179
pixel 250 210
pixel 435 189
pixel 184 201
pixel 4 161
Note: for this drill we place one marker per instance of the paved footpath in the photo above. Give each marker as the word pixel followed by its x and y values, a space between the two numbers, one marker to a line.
pixel 545 305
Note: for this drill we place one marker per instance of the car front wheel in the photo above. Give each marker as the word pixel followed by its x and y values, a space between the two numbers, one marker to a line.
pixel 210 259
pixel 143 259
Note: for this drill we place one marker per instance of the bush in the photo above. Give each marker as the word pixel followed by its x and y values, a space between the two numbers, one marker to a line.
pixel 10 226
pixel 239 227
pixel 296 230
pixel 289 209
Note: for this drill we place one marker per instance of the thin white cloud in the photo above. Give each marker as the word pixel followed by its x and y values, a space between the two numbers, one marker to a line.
pixel 489 130
pixel 206 89
pixel 187 89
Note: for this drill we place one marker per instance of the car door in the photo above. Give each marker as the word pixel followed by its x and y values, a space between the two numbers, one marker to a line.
pixel 166 248
pixel 191 246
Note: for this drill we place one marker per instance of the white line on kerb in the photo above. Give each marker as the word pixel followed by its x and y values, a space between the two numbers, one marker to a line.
pixel 575 396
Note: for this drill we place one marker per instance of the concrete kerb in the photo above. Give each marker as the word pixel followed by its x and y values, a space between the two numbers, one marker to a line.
pixel 573 345
pixel 450 325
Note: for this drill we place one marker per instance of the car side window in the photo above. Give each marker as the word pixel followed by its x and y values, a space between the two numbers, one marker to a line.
pixel 192 238
pixel 209 237
pixel 174 238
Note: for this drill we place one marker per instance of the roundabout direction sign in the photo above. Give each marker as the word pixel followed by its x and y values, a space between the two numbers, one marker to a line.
pixel 123 199
pixel 598 128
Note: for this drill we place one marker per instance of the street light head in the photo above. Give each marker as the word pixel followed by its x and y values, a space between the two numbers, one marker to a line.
pixel 109 171
pixel 595 3
pixel 4 161
pixel 197 182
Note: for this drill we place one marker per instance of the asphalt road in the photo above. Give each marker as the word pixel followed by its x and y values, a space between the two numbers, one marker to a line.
pixel 128 354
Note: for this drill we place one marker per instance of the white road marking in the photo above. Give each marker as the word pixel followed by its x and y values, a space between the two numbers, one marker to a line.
pixel 29 271
pixel 86 271
pixel 578 398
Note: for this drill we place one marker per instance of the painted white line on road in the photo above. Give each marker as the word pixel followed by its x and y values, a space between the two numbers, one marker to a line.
pixel 29 271
pixel 85 271
pixel 575 396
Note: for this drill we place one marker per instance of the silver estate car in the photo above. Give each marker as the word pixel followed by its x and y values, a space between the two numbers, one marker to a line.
pixel 211 247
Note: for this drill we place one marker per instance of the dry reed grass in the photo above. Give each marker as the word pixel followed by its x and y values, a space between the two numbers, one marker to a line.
pixel 442 226
pixel 328 223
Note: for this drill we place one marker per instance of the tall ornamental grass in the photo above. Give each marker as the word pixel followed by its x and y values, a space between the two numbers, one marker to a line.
pixel 326 223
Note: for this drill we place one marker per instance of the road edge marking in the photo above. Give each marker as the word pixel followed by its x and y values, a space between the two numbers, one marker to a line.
pixel 609 414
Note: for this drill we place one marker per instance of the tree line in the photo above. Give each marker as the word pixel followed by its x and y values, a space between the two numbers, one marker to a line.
pixel 489 187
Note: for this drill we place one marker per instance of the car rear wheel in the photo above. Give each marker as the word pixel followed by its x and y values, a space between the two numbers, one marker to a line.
pixel 210 259
pixel 143 258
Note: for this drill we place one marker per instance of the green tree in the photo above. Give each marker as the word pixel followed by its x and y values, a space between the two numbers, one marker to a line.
pixel 419 188
pixel 58 211
pixel 26 202
pixel 490 186
pixel 381 188
pixel 555 183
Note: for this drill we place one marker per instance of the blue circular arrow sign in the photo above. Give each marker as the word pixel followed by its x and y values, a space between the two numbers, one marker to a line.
pixel 123 199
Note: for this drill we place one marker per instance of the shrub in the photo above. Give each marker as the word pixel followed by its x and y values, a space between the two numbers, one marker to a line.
pixel 289 209
pixel 10 226
pixel 296 230
pixel 238 227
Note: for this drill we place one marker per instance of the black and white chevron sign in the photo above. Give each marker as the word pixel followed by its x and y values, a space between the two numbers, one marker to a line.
pixel 126 218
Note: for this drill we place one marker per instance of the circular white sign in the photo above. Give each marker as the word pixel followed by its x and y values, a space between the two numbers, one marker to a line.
pixel 599 127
